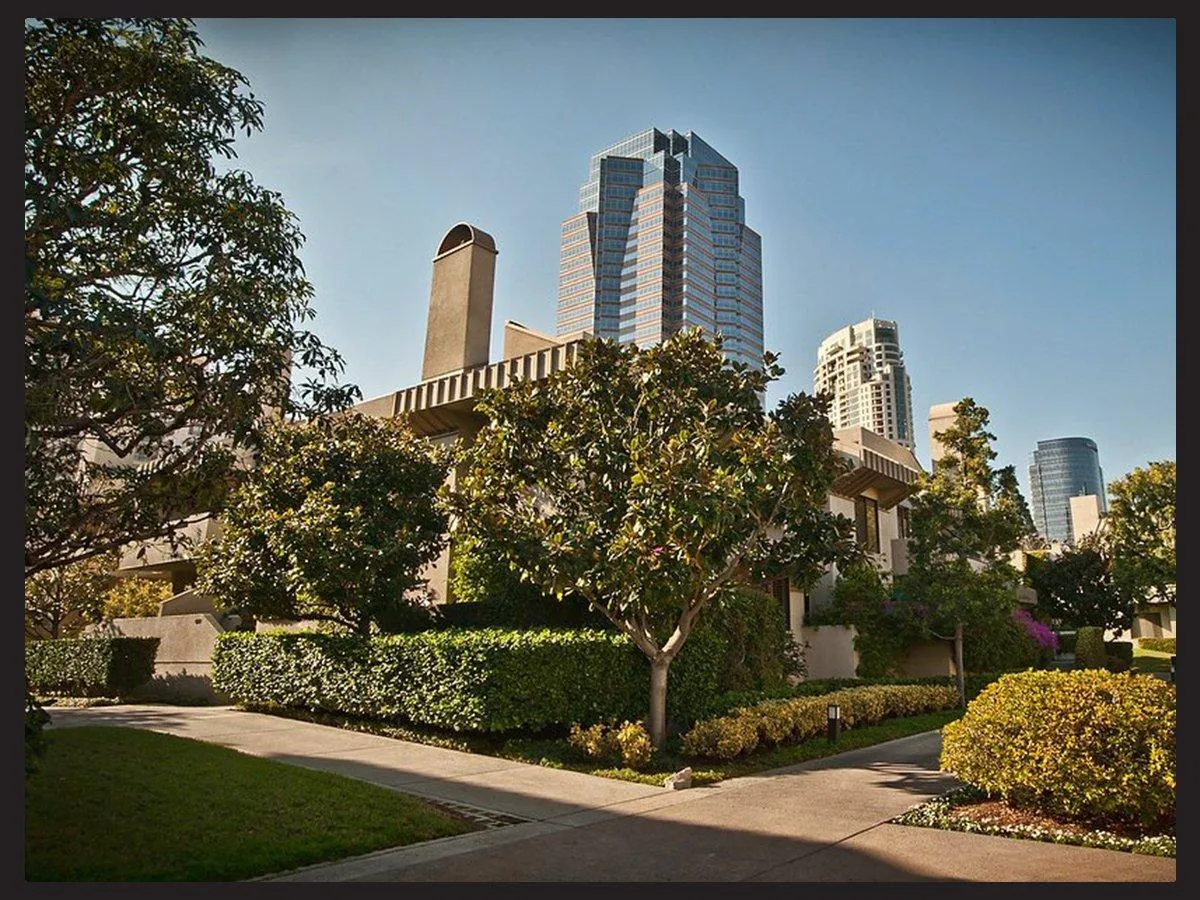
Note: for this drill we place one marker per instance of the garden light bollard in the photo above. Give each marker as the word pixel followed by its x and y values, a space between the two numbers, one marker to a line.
pixel 1172 669
pixel 835 721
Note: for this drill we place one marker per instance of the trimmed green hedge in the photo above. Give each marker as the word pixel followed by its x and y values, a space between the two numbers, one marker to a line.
pixel 1089 648
pixel 1161 645
pixel 481 680
pixel 1066 641
pixel 1087 743
pixel 89 667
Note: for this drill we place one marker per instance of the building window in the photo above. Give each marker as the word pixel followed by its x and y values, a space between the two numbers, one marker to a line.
pixel 866 520
pixel 902 521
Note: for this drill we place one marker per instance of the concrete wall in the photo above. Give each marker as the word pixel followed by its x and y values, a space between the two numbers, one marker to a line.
pixel 829 651
pixel 183 664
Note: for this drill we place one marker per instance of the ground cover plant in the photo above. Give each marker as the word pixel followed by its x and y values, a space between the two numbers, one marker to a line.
pixel 124 804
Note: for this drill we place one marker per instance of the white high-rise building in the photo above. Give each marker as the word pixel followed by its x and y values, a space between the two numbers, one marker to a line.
pixel 862 368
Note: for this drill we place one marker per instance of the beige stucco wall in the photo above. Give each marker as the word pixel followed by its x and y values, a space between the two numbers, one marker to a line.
pixel 183 663
pixel 459 328
pixel 829 651
pixel 1085 516
pixel 928 658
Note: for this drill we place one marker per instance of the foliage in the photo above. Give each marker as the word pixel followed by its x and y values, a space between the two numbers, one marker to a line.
pixel 1089 648
pixel 164 296
pixel 132 598
pixel 1080 587
pixel 627 744
pixel 649 481
pixel 1162 645
pixel 1140 531
pixel 1118 655
pixel 884 628
pixel 966 519
pixel 36 720
pixel 1088 743
pixel 89 667
pixel 785 721
pixel 334 524
pixel 1041 634
pixel 758 649
pixel 488 591
pixel 60 601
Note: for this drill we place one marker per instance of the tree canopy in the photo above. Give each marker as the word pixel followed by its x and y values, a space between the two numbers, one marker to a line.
pixel 650 482
pixel 1139 531
pixel 967 517
pixel 334 524
pixel 164 294
pixel 1079 587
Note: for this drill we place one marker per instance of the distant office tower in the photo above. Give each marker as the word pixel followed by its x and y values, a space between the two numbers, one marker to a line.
pixel 862 368
pixel 1061 469
pixel 660 243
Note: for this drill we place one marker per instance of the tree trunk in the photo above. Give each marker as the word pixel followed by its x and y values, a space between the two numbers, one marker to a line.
pixel 658 702
pixel 959 675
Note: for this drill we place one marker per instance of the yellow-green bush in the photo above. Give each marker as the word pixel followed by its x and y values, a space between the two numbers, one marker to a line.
pixel 776 722
pixel 1088 743
pixel 629 743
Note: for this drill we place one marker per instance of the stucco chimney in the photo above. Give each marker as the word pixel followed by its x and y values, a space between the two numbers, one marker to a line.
pixel 459 330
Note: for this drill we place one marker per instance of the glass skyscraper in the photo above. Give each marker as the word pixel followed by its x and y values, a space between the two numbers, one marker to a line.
pixel 659 244
pixel 1060 469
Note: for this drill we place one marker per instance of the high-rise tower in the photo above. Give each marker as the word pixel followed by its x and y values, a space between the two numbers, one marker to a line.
pixel 660 243
pixel 1060 469
pixel 862 368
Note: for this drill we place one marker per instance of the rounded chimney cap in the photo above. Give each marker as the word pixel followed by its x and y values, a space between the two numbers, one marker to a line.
pixel 462 234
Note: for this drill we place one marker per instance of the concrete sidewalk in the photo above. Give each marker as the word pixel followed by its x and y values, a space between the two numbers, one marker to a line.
pixel 818 821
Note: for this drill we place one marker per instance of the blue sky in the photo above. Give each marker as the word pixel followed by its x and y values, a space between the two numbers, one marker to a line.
pixel 1005 189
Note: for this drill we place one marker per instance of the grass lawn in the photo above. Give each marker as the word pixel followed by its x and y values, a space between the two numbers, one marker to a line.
pixel 1150 661
pixel 123 804
pixel 557 753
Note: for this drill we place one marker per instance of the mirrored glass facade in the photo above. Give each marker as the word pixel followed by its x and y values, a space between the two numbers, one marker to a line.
pixel 1060 469
pixel 660 243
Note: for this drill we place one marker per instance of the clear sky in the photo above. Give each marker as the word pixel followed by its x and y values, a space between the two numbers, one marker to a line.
pixel 1005 189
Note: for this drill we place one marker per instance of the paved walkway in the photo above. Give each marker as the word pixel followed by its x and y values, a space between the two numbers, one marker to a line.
pixel 824 820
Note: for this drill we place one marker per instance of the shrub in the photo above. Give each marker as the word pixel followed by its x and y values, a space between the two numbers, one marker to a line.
pixel 1118 655
pixel 1089 648
pixel 90 667
pixel 467 680
pixel 785 721
pixel 1066 641
pixel 1088 744
pixel 627 744
pixel 1161 645
pixel 36 719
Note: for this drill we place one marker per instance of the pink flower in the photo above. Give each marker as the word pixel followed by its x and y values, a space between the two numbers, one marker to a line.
pixel 657 551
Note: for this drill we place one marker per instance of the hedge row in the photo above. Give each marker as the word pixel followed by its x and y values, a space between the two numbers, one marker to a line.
pixel 788 721
pixel 89 667
pixel 482 680
pixel 1160 645
pixel 1085 743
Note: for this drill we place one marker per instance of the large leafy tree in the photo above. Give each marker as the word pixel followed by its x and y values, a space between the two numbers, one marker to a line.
pixel 164 295
pixel 651 483
pixel 1139 531
pixel 334 524
pixel 1079 587
pixel 966 519
pixel 60 601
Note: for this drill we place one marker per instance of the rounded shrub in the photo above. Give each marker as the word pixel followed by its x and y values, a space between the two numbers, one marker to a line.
pixel 1088 744
pixel 1090 652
